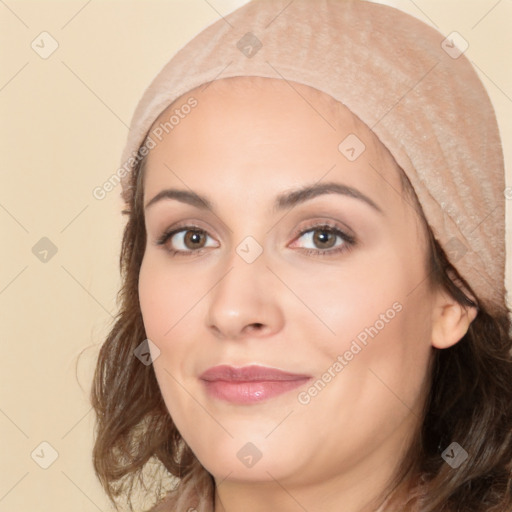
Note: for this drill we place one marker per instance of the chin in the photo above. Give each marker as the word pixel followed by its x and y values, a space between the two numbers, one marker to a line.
pixel 246 460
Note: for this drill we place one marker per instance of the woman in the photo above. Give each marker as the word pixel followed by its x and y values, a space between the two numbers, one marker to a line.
pixel 313 310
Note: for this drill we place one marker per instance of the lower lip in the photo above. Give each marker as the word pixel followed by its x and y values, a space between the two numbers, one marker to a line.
pixel 243 393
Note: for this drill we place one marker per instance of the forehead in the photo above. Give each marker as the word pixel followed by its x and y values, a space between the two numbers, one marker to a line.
pixel 267 134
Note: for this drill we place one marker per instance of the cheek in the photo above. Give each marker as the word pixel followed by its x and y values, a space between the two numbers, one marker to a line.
pixel 173 316
pixel 166 296
pixel 154 305
pixel 371 375
pixel 348 299
pixel 379 322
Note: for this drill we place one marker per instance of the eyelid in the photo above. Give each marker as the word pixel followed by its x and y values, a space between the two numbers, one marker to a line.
pixel 325 223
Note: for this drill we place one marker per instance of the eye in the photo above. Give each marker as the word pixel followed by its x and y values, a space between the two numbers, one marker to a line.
pixel 188 240
pixel 185 240
pixel 326 239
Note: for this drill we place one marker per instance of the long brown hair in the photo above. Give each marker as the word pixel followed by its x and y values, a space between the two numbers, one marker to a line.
pixel 469 402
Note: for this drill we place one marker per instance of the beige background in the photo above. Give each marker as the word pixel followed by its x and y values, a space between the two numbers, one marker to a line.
pixel 64 122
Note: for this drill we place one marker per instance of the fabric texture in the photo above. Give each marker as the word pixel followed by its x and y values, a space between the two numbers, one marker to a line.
pixel 406 81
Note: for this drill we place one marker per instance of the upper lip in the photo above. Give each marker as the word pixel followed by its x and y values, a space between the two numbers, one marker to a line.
pixel 248 374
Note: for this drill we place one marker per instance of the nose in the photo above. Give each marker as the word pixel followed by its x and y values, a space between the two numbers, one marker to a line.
pixel 245 302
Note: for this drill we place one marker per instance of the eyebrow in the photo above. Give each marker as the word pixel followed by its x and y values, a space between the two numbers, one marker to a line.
pixel 282 201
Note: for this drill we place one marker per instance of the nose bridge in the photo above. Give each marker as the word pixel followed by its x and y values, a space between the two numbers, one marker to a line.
pixel 244 296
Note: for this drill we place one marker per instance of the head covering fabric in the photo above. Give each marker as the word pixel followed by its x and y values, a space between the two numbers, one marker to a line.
pixel 409 83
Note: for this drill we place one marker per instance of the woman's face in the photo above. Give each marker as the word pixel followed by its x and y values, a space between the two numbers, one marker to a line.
pixel 260 280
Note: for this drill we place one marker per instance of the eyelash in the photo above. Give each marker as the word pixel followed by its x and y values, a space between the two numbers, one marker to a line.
pixel 348 245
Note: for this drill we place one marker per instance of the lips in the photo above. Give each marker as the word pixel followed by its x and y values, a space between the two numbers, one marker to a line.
pixel 249 384
pixel 248 374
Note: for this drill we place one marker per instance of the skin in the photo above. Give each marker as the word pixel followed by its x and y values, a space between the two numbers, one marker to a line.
pixel 241 147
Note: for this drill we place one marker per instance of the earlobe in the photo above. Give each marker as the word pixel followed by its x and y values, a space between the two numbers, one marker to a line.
pixel 451 322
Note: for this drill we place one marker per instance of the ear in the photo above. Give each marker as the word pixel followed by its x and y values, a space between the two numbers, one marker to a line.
pixel 450 320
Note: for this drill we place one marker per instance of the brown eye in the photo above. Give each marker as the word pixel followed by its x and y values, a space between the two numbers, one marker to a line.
pixel 194 239
pixel 324 238
pixel 186 240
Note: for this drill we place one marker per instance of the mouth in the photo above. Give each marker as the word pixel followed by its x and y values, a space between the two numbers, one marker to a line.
pixel 249 384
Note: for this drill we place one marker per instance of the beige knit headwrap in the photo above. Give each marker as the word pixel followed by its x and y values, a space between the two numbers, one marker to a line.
pixel 412 86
